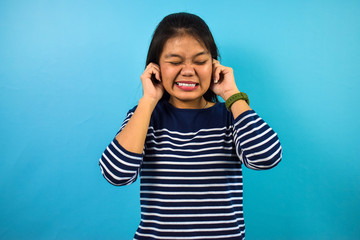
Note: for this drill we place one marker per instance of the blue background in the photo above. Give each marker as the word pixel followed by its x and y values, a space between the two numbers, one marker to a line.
pixel 70 70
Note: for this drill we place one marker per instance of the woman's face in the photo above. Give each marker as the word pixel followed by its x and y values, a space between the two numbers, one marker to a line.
pixel 186 70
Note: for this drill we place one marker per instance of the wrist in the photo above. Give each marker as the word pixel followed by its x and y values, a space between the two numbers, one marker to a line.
pixel 228 94
pixel 148 101
pixel 235 98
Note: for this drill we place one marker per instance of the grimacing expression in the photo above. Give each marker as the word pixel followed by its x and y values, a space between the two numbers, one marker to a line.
pixel 186 68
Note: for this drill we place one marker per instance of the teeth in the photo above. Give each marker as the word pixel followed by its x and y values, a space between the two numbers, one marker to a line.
pixel 186 84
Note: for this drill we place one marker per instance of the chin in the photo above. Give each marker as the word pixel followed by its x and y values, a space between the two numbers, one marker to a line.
pixel 188 97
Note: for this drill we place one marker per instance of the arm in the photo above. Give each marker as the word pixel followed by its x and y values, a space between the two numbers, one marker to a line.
pixel 133 136
pixel 119 166
pixel 121 160
pixel 257 145
pixel 224 85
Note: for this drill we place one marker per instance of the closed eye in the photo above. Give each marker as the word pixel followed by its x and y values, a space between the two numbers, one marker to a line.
pixel 175 63
pixel 201 62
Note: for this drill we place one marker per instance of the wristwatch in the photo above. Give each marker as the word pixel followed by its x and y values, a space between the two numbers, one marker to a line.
pixel 236 97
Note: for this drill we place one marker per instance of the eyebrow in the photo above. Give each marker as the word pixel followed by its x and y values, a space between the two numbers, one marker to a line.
pixel 170 55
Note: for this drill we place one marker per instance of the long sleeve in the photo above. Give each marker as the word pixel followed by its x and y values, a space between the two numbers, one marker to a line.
pixel 119 166
pixel 191 184
pixel 257 145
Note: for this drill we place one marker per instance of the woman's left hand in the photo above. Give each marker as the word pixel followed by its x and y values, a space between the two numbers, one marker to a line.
pixel 223 82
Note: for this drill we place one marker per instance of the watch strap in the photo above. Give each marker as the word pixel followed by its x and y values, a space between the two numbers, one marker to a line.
pixel 236 97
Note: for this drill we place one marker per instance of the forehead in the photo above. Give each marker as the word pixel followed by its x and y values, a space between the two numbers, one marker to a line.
pixel 184 44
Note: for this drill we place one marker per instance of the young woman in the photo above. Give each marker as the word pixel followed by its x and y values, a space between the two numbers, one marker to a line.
pixel 187 147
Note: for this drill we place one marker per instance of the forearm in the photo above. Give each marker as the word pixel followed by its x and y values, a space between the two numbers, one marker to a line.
pixel 239 107
pixel 257 144
pixel 133 136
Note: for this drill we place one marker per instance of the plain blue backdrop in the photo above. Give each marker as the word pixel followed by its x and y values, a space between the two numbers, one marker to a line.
pixel 70 70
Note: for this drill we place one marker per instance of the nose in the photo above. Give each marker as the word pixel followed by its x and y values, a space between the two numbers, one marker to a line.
pixel 187 70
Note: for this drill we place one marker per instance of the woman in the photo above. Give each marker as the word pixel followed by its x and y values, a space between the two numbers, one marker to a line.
pixel 186 146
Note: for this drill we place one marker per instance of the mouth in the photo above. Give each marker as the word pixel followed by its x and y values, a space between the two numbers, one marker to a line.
pixel 186 86
pixel 182 84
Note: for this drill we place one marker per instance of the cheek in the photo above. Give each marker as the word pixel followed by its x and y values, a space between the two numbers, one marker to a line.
pixel 168 75
pixel 166 71
pixel 205 73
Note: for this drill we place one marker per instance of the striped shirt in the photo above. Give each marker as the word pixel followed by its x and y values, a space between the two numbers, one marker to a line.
pixel 190 171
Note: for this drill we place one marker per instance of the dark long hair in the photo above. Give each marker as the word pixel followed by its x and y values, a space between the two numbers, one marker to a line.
pixel 176 24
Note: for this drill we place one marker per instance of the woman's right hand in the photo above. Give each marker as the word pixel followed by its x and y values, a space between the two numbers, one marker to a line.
pixel 153 90
pixel 132 137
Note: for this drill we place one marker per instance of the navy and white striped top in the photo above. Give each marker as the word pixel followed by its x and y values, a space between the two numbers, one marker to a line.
pixel 190 170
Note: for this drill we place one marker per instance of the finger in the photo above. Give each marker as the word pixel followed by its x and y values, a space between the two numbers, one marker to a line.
pixel 153 65
pixel 216 66
pixel 217 71
pixel 157 73
pixel 153 69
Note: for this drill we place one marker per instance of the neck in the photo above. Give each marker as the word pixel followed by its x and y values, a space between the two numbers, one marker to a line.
pixel 193 104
